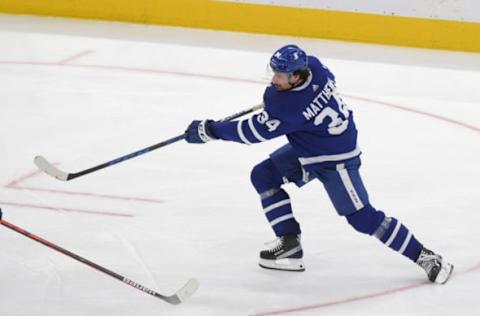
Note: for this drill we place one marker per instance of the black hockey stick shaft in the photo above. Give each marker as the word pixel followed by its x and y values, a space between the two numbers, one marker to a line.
pixel 126 157
pixel 89 263
pixel 70 176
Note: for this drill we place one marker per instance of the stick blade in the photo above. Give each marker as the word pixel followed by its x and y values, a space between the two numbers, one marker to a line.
pixel 44 165
pixel 184 293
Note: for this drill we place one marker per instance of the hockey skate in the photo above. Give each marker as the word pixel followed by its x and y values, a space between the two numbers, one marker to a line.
pixel 286 255
pixel 437 270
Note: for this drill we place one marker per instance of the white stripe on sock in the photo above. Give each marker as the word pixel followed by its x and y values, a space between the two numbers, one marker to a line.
pixel 276 205
pixel 281 219
pixel 394 234
pixel 405 243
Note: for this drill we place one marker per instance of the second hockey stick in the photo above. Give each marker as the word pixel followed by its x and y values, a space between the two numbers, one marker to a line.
pixel 178 297
pixel 47 167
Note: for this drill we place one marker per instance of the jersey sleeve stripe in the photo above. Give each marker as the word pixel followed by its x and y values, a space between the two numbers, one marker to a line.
pixel 254 130
pixel 241 134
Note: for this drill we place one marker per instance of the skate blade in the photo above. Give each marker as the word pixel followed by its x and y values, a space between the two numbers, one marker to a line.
pixel 285 264
pixel 445 273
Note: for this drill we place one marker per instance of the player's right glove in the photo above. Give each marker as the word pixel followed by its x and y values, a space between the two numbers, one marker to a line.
pixel 198 132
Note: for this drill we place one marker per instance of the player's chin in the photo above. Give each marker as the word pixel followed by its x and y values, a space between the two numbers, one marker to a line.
pixel 279 88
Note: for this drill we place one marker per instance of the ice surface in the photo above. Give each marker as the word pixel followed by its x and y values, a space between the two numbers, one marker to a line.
pixel 82 93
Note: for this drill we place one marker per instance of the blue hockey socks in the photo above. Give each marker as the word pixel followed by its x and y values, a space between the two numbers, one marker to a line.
pixel 388 230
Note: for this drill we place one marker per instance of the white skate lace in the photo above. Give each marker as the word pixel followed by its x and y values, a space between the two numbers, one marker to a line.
pixel 274 244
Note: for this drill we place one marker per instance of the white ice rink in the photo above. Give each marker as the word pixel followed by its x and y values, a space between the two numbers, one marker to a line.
pixel 82 93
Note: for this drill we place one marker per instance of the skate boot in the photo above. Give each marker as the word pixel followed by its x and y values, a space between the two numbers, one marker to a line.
pixel 286 255
pixel 437 270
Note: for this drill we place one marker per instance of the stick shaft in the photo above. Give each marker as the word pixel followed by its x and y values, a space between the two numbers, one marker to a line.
pixel 155 146
pixel 81 259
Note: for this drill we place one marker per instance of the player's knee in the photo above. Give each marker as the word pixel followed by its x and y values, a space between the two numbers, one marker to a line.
pixel 264 176
pixel 366 220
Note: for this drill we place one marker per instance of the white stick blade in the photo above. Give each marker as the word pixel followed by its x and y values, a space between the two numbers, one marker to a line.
pixel 50 169
pixel 188 290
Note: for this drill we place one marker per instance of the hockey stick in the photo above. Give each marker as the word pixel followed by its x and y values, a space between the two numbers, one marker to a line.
pixel 181 295
pixel 47 167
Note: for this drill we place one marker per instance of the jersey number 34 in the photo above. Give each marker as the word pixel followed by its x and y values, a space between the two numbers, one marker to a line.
pixel 263 118
pixel 337 124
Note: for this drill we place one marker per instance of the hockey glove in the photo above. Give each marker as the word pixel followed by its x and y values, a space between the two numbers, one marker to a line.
pixel 198 132
pixel 0 213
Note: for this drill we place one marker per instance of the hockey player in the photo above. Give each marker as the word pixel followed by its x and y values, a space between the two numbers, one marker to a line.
pixel 302 103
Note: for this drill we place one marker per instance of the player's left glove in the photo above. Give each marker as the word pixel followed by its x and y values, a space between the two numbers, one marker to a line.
pixel 198 132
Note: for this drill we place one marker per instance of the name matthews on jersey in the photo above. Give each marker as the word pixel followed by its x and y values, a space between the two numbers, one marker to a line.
pixel 316 106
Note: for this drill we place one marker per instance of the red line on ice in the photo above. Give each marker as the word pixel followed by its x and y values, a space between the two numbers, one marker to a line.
pixel 15 184
pixel 215 77
pixel 105 196
pixel 74 57
pixel 52 208
pixel 364 297
pixel 132 69
pixel 407 109
pixel 23 178
pixel 340 302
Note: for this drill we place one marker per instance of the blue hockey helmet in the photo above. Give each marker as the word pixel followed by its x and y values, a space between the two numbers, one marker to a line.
pixel 289 59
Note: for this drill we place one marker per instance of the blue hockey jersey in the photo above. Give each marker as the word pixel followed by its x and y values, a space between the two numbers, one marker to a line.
pixel 315 120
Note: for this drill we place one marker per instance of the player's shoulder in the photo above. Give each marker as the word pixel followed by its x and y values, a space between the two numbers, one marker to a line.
pixel 313 61
pixel 283 105
pixel 275 101
pixel 320 71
